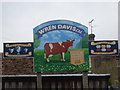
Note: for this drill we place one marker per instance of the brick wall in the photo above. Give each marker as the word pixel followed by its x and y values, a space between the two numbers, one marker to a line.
pixel 13 66
pixel 105 65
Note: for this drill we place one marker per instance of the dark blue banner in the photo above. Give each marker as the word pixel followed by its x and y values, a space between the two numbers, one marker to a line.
pixel 54 27
pixel 61 25
pixel 103 47
pixel 18 50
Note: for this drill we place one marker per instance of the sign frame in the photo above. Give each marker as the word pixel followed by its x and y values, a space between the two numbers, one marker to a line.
pixel 103 47
pixel 18 50
pixel 61 26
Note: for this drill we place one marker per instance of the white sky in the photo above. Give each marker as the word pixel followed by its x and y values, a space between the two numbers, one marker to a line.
pixel 17 19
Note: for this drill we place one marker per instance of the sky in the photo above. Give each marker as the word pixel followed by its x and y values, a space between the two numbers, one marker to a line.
pixel 18 18
pixel 57 36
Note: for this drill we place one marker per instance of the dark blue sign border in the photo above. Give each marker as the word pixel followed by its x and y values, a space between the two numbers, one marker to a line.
pixel 103 47
pixel 18 50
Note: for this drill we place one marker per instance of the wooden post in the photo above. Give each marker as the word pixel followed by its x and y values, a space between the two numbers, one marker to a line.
pixel 85 80
pixel 0 82
pixel 0 71
pixel 39 81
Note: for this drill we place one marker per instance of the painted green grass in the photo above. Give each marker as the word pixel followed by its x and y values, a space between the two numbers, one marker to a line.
pixel 56 65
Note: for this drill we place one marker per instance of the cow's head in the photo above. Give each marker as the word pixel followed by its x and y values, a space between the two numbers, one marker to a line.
pixel 70 42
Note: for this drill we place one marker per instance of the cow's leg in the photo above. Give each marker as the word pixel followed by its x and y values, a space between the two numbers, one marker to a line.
pixel 63 56
pixel 44 55
pixel 47 60
pixel 48 57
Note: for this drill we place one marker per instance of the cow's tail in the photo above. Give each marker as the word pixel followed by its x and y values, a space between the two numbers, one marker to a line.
pixel 44 54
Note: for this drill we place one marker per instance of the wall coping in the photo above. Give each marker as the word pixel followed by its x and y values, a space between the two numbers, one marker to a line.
pixel 54 75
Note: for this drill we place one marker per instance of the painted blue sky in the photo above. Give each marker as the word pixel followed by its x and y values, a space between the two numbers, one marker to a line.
pixel 59 36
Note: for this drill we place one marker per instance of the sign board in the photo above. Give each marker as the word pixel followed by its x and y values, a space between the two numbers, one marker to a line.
pixel 18 50
pixel 77 57
pixel 103 47
pixel 54 44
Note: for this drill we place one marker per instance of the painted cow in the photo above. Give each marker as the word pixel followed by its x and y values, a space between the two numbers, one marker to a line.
pixel 57 48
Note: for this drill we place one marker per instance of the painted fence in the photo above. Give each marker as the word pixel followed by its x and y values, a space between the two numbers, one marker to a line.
pixel 70 81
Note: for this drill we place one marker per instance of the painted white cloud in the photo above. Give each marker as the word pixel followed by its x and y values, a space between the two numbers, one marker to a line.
pixel 45 36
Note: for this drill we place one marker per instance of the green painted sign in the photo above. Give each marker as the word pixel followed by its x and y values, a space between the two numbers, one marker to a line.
pixel 61 45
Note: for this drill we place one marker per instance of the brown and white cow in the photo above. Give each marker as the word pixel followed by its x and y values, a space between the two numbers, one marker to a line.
pixel 57 48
